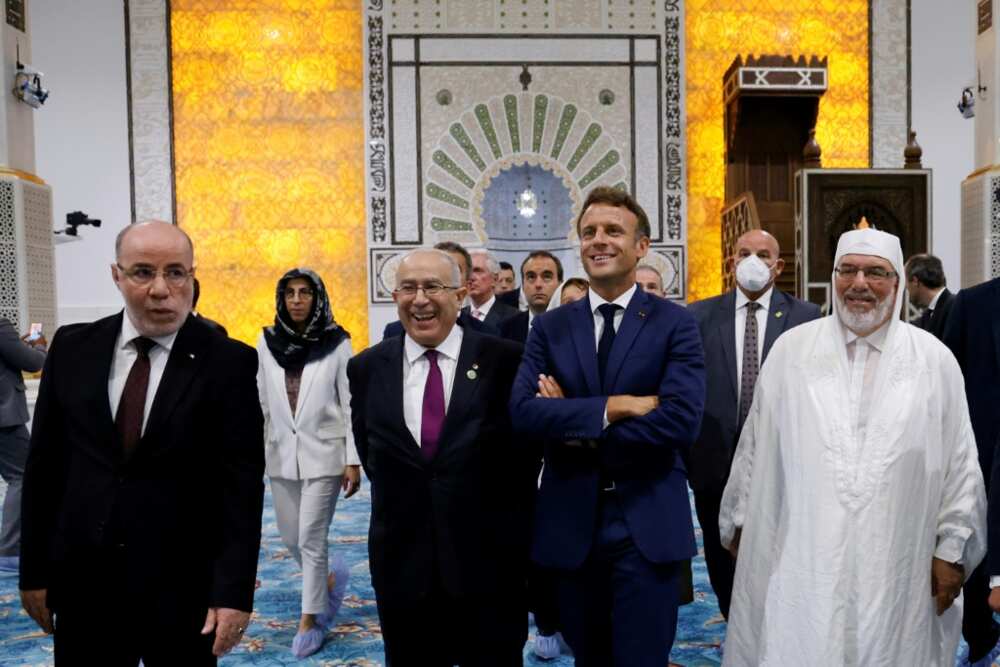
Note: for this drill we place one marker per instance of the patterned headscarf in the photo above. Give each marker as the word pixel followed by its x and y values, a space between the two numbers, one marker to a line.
pixel 321 335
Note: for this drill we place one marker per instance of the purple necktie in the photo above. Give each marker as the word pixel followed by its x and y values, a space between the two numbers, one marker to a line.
pixel 432 415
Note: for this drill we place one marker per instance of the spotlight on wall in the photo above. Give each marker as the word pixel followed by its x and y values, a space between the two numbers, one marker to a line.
pixel 75 220
pixel 967 103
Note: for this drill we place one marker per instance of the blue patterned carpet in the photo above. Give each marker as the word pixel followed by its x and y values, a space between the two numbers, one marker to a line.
pixel 356 641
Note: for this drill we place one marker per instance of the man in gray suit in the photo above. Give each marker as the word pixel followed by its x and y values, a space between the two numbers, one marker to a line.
pixel 736 345
pixel 16 355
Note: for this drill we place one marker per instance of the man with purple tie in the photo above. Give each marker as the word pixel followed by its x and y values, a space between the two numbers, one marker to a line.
pixel 448 540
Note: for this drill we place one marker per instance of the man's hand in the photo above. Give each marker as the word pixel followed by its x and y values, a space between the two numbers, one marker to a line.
pixel 625 405
pixel 352 480
pixel 994 600
pixel 229 626
pixel 734 548
pixel 946 583
pixel 38 343
pixel 549 388
pixel 34 603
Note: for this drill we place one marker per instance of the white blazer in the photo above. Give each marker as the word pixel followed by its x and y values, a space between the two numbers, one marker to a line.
pixel 318 441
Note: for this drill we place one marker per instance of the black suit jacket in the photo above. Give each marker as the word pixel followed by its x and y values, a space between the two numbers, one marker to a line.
pixel 973 335
pixel 711 456
pixel 457 521
pixel 498 313
pixel 516 327
pixel 186 505
pixel 935 320
pixel 465 320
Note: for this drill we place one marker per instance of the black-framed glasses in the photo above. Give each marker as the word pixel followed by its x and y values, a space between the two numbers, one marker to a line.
pixel 175 276
pixel 431 289
pixel 872 273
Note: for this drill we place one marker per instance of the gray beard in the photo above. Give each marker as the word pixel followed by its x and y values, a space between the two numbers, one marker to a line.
pixel 865 322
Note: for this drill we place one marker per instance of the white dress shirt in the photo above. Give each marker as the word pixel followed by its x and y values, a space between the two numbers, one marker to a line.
pixel 126 354
pixel 480 312
pixel 597 300
pixel 764 301
pixel 415 370
pixel 863 354
pixel 933 304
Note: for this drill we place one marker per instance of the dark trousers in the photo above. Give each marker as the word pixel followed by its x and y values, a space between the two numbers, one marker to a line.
pixel 720 563
pixel 978 627
pixel 440 630
pixel 14 443
pixel 543 594
pixel 619 608
pixel 99 621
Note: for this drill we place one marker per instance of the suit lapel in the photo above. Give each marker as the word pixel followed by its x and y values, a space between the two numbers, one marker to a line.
pixel 638 311
pixel 390 373
pixel 777 317
pixel 726 318
pixel 996 320
pixel 96 372
pixel 582 330
pixel 468 377
pixel 309 372
pixel 186 358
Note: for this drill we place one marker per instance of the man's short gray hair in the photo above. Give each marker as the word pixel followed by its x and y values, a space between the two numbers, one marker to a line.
pixel 455 269
pixel 492 263
pixel 649 267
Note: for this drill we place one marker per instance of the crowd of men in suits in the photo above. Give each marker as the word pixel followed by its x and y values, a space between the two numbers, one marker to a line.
pixel 518 459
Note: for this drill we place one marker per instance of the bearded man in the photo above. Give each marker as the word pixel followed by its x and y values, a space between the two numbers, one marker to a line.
pixel 856 485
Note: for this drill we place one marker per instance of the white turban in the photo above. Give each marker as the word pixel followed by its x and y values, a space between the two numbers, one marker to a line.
pixel 876 243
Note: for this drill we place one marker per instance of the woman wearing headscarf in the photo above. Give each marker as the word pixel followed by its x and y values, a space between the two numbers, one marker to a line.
pixel 310 451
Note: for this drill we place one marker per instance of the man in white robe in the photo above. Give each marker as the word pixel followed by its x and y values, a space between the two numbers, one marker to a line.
pixel 856 501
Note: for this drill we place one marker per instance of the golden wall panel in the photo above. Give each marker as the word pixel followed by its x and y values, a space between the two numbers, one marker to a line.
pixel 269 152
pixel 716 32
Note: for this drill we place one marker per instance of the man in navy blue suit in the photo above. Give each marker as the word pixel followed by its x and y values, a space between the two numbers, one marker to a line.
pixel 972 332
pixel 616 383
pixel 732 366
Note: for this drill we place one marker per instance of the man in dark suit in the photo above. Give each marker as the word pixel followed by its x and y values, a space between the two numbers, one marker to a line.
pixel 16 356
pixel 925 283
pixel 448 538
pixel 541 273
pixel 483 303
pixel 143 490
pixel 615 383
pixel 465 320
pixel 194 309
pixel 972 332
pixel 732 366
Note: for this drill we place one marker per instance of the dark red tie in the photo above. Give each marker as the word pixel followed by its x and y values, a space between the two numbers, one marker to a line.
pixel 132 405
pixel 432 415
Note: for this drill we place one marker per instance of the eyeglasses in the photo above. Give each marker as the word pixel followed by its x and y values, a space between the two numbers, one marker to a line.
pixel 432 289
pixel 175 276
pixel 873 274
pixel 302 293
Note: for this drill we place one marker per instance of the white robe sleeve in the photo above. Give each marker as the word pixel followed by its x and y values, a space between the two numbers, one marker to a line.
pixel 732 511
pixel 961 525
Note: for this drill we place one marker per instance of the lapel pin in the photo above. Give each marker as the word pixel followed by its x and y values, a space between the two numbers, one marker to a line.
pixel 191 355
pixel 778 314
pixel 471 374
pixel 475 367
pixel 642 314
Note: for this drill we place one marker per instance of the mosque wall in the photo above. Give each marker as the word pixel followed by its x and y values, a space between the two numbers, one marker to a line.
pixel 88 114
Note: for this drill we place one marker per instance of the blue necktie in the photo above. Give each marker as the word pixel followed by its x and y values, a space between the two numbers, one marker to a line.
pixel 607 311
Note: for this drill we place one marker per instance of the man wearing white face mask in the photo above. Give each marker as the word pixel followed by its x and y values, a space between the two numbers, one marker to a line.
pixel 736 344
